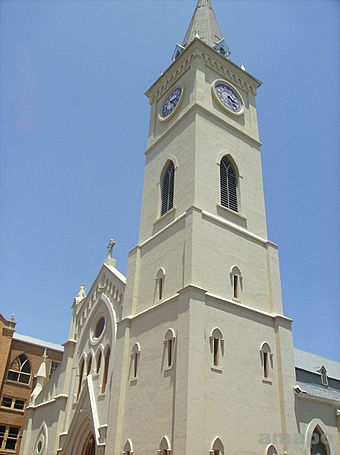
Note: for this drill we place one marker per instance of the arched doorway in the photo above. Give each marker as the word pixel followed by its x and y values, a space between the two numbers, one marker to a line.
pixel 89 446
pixel 319 444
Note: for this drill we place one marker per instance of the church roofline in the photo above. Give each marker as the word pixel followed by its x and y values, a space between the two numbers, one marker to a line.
pixel 37 342
pixel 197 42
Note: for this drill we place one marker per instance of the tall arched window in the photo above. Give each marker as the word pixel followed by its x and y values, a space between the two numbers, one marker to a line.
pixel 228 181
pixel 216 341
pixel 135 353
pixel 160 280
pixel 319 443
pixel 167 187
pixel 20 370
pixel 106 369
pixel 128 448
pixel 169 341
pixel 89 365
pixel 266 359
pixel 99 361
pixel 81 372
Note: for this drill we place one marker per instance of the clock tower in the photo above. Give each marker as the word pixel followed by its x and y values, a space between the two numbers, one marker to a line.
pixel 202 333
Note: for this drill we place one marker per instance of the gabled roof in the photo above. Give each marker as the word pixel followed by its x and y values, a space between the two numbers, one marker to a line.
pixel 312 362
pixel 37 342
pixel 203 23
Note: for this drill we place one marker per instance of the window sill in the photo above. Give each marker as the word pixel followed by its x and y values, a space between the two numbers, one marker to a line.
pixel 232 212
pixel 133 381
pixel 165 216
pixel 236 300
pixel 168 368
pixel 19 384
pixel 216 369
pixel 18 411
pixel 267 381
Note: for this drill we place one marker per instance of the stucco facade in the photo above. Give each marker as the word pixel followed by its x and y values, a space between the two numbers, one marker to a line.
pixel 192 353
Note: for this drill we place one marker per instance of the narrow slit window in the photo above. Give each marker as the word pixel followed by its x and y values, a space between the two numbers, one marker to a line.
pixel 106 370
pixel 265 365
pixel 170 352
pixel 160 288
pixel 135 353
pixel 81 372
pixel 235 285
pixel 135 364
pixel 216 356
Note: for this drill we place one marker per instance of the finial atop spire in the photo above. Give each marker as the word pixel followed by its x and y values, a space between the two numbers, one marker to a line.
pixel 204 24
pixel 109 260
pixel 110 247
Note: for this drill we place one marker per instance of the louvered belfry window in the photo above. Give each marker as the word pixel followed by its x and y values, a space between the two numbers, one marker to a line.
pixel 168 183
pixel 228 185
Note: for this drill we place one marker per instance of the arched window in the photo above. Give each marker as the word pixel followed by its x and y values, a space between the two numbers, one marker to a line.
pixel 319 444
pixel 99 360
pixel 217 447
pixel 216 343
pixel 271 450
pixel 164 446
pixel 89 446
pixel 167 187
pixel 81 372
pixel 169 341
pixel 106 369
pixel 160 280
pixel 128 448
pixel 20 370
pixel 135 353
pixel 228 182
pixel 236 281
pixel 266 359
pixel 89 365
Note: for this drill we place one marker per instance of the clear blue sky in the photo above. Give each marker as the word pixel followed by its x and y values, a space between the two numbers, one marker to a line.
pixel 73 133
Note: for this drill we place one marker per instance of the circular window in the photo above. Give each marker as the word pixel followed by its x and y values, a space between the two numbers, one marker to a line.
pixel 99 327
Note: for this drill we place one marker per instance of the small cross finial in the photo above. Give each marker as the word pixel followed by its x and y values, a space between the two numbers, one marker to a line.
pixel 110 247
pixel 13 317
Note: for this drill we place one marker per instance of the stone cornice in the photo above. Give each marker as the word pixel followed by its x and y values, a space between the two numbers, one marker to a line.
pixel 197 48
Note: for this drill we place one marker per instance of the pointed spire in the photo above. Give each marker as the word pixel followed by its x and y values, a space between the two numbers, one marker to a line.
pixel 204 24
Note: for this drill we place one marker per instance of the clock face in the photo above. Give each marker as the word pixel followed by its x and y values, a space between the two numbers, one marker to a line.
pixel 171 102
pixel 228 97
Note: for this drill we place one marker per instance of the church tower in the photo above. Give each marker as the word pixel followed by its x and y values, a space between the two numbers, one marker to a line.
pixel 199 348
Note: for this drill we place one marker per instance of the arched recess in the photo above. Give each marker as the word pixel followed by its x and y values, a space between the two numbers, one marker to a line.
pixel 216 346
pixel 135 354
pixel 236 280
pixel 217 447
pixel 164 446
pixel 20 369
pixel 41 445
pixel 316 439
pixel 266 360
pixel 169 342
pixel 89 447
pixel 160 281
pixel 128 448
pixel 271 450
pixel 81 437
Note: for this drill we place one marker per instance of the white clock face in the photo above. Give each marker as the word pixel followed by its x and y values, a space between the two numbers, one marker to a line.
pixel 171 102
pixel 228 97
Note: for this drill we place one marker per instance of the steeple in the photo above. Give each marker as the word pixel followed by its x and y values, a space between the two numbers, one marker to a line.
pixel 203 25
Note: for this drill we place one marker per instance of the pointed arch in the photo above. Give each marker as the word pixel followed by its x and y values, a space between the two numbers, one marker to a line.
pixel 266 359
pixel 167 187
pixel 135 354
pixel 99 359
pixel 41 445
pixel 217 447
pixel 164 446
pixel 128 448
pixel 20 369
pixel 160 281
pixel 89 447
pixel 316 439
pixel 89 364
pixel 81 373
pixel 271 450
pixel 229 184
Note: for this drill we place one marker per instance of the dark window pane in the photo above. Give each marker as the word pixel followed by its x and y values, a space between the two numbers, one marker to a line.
pixel 7 402
pixel 12 375
pixel 19 404
pixel 24 378
pixel 13 432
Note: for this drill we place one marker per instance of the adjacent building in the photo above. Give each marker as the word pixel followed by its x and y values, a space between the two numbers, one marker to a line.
pixel 192 354
pixel 20 359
